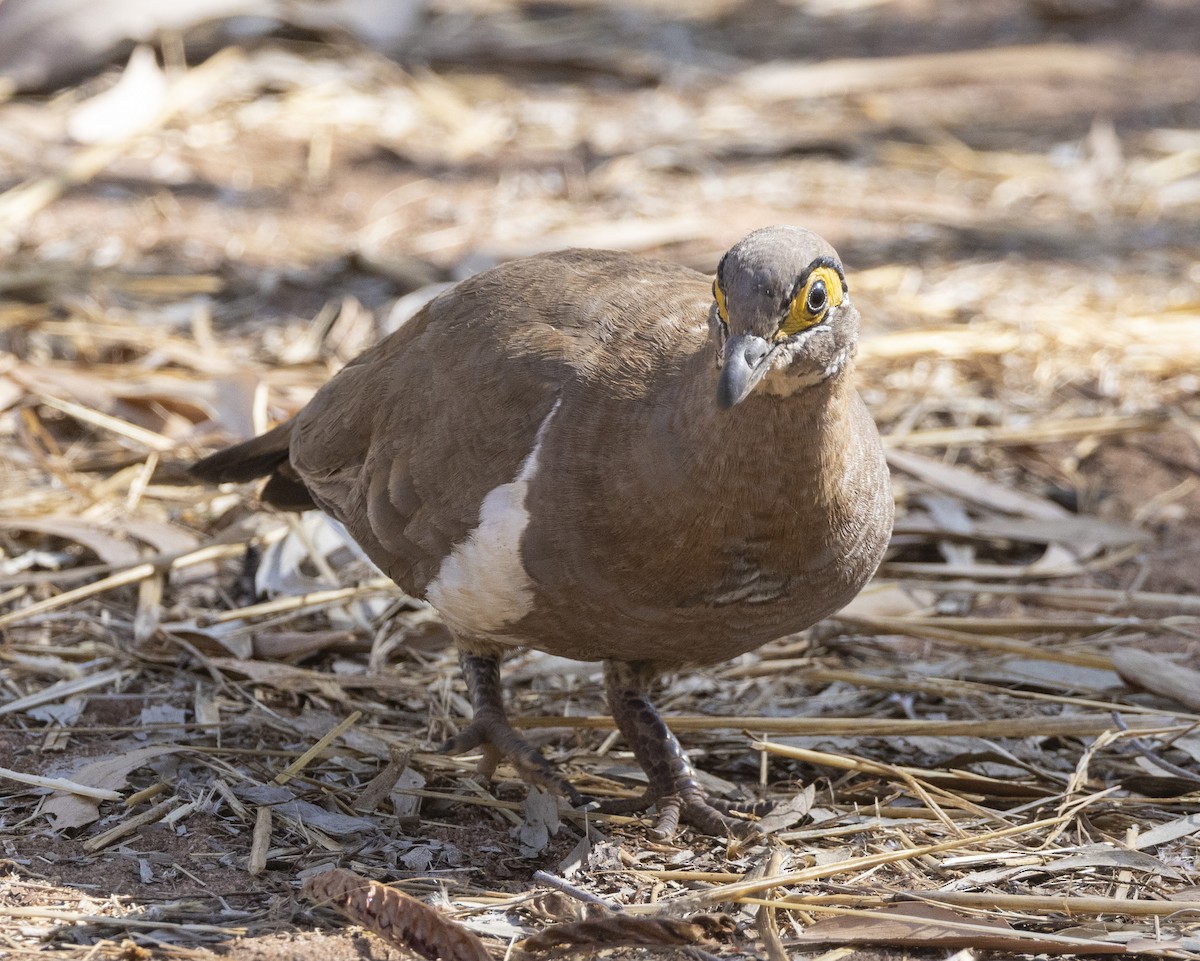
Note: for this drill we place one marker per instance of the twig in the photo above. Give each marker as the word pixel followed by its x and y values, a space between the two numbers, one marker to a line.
pixel 569 889
pixel 60 784
pixel 306 758
pixel 1076 725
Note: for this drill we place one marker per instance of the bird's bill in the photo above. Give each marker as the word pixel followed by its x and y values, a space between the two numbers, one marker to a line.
pixel 745 360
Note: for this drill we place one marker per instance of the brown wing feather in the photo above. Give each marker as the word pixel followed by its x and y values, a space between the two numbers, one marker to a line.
pixel 403 446
pixel 404 443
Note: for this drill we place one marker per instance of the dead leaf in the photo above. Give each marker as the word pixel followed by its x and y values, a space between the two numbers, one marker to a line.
pixel 283 676
pixel 170 539
pixel 613 930
pixel 110 548
pixel 791 812
pixel 541 822
pixel 1106 856
pixel 975 488
pixel 112 772
pixel 886 599
pixel 284 803
pixel 1171 831
pixel 1158 675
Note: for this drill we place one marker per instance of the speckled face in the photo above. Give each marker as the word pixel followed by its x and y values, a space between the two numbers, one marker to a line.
pixel 783 314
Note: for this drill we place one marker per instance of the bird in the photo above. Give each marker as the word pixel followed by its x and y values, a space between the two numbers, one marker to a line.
pixel 606 458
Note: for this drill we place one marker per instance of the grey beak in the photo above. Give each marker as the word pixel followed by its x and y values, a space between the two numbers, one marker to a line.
pixel 743 365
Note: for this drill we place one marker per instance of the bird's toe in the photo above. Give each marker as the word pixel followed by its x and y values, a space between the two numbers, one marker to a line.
pixel 709 816
pixel 500 742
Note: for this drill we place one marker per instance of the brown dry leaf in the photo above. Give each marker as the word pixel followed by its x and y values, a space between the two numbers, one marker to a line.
pixel 540 824
pixel 886 599
pixel 1042 530
pixel 235 403
pixel 789 813
pixel 284 803
pixel 73 811
pixel 1159 675
pixel 1180 828
pixel 394 916
pixel 170 540
pixel 1105 856
pixel 283 676
pixel 977 489
pixel 928 925
pixel 622 930
pixel 214 638
pixel 101 542
pixel 72 383
pixel 296 645
pixel 315 724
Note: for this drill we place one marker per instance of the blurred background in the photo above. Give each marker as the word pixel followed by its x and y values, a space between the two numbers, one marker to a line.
pixel 208 206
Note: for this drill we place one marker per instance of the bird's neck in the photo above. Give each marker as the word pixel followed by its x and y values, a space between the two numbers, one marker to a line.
pixel 810 427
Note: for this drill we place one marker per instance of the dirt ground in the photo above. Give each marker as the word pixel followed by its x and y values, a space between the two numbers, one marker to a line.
pixel 998 738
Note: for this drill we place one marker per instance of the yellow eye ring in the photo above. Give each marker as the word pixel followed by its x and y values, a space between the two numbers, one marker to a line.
pixel 822 291
pixel 719 297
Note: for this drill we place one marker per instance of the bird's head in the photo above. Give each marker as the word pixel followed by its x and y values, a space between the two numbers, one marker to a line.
pixel 782 315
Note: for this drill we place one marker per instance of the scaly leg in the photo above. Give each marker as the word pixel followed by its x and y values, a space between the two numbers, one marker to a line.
pixel 673 785
pixel 491 730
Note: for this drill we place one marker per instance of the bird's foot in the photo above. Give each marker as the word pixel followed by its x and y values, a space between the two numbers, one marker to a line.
pixel 491 731
pixel 673 788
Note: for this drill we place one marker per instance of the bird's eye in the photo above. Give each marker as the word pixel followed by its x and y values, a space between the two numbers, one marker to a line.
pixel 818 297
pixel 823 290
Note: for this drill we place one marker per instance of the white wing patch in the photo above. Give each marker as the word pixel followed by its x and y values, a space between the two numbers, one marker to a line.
pixel 481 586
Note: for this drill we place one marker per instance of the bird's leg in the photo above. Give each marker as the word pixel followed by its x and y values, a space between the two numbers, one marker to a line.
pixel 491 730
pixel 673 785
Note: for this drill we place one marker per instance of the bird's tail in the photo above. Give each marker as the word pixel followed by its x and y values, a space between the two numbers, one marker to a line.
pixel 262 456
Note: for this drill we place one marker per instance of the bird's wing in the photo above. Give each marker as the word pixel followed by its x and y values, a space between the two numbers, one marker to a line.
pixel 404 444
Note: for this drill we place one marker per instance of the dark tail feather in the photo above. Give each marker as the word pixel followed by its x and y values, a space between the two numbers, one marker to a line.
pixel 287 492
pixel 242 462
pixel 260 456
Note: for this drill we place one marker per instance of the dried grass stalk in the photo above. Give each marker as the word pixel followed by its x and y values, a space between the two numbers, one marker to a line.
pixel 394 916
pixel 1070 905
pixel 307 757
pixel 257 862
pixel 765 920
